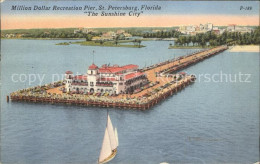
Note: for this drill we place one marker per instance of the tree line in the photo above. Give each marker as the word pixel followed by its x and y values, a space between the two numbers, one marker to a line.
pixel 69 32
pixel 60 35
pixel 211 39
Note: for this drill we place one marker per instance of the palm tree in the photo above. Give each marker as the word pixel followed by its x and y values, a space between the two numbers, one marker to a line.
pixel 116 39
pixel 193 40
pixel 135 41
pixel 139 42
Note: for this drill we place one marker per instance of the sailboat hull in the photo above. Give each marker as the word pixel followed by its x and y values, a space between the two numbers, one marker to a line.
pixel 112 156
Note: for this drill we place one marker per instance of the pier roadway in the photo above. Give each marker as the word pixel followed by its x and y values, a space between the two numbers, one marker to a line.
pixel 37 95
pixel 151 73
pixel 55 90
pixel 143 100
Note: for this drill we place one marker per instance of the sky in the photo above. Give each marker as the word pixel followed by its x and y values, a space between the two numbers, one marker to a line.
pixel 172 13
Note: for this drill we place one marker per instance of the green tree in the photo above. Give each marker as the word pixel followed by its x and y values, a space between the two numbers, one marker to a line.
pixel 101 42
pixel 213 42
pixel 89 37
pixel 193 40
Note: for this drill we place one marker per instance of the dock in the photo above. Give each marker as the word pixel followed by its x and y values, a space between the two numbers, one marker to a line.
pixel 163 77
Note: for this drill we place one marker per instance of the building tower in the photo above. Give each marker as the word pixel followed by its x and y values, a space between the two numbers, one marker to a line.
pixel 68 80
pixel 93 76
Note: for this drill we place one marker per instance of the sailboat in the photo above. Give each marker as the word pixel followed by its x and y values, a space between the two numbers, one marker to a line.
pixel 110 143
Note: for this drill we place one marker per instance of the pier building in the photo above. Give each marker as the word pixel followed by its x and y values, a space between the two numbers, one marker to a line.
pixel 106 79
pixel 159 88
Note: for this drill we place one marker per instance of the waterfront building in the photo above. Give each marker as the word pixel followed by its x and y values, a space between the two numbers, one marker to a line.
pixel 194 29
pixel 215 28
pixel 231 28
pixel 120 32
pixel 127 35
pixel 83 30
pixel 209 26
pixel 110 35
pixel 243 29
pixel 217 32
pixel 111 79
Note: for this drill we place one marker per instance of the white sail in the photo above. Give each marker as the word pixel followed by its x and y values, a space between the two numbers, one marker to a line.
pixel 106 150
pixel 111 133
pixel 116 135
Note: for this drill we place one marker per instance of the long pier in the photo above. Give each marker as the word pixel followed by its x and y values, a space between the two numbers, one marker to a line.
pixel 143 100
pixel 142 104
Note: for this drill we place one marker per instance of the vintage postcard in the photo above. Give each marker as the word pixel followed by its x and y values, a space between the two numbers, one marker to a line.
pixel 129 82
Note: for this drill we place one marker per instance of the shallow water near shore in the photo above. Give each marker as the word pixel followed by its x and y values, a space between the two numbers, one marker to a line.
pixel 207 122
pixel 247 48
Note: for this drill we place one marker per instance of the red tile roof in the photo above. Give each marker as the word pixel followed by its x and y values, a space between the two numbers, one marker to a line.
pixel 93 66
pixel 81 77
pixel 110 70
pixel 69 72
pixel 132 75
pixel 115 69
pixel 130 66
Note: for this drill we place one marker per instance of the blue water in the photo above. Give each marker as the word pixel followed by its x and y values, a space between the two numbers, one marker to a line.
pixel 207 122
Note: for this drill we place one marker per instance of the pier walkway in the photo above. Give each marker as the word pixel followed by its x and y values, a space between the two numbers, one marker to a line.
pixel 157 74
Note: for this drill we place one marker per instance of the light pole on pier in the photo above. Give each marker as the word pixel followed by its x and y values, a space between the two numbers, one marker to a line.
pixel 93 55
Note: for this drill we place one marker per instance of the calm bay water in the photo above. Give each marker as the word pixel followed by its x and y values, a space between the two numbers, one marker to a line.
pixel 206 122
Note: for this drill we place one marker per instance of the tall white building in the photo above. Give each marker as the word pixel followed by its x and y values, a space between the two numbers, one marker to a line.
pixel 209 26
pixel 231 28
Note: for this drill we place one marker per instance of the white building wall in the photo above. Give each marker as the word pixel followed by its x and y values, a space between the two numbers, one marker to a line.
pixel 68 81
pixel 93 76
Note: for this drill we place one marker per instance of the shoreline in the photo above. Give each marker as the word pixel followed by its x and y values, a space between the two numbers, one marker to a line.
pixel 188 47
pixel 244 48
pixel 142 39
pixel 105 44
